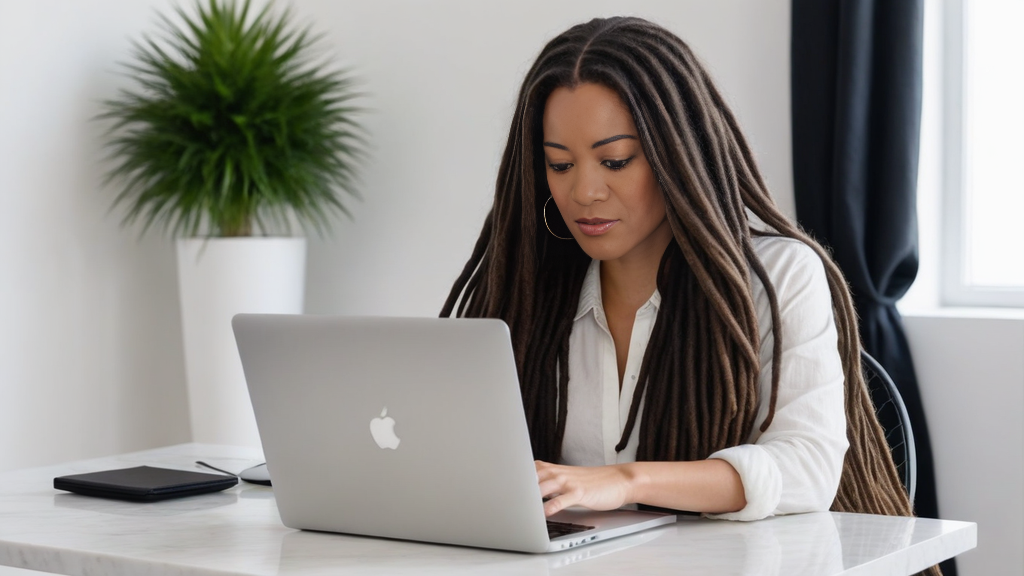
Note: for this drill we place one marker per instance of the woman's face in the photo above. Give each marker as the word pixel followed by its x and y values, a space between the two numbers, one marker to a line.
pixel 599 176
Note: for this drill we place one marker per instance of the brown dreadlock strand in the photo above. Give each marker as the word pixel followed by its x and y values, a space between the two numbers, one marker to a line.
pixel 698 382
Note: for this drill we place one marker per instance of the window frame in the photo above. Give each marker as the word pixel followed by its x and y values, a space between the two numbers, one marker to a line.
pixel 954 289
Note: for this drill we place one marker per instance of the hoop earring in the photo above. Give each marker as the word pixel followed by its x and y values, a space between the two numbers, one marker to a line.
pixel 544 211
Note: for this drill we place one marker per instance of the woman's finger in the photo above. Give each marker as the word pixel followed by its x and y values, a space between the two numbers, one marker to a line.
pixel 556 505
pixel 550 473
pixel 543 467
pixel 548 489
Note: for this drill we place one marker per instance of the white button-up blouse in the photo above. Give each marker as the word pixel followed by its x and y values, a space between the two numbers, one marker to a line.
pixel 794 466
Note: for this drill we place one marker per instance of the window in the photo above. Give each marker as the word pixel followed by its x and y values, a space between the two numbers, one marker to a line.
pixel 983 134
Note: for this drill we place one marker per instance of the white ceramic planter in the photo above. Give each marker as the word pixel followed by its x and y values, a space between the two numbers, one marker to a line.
pixel 218 278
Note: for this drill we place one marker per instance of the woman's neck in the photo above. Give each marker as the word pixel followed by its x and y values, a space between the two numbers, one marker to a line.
pixel 627 286
pixel 629 281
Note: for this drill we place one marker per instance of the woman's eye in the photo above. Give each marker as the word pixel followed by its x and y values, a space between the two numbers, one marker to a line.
pixel 617 164
pixel 560 167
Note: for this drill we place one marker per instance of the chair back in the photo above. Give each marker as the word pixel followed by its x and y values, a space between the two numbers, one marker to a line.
pixel 892 415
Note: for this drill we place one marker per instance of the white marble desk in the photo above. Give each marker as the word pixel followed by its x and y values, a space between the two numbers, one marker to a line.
pixel 239 532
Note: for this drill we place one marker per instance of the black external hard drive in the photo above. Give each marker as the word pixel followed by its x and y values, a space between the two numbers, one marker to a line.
pixel 143 483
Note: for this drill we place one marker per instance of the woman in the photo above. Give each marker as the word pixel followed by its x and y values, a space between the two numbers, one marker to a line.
pixel 680 344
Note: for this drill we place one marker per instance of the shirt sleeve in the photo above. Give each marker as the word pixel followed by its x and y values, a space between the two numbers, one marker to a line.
pixel 794 466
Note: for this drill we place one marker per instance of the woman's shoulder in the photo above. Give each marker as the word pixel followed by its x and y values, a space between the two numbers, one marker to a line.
pixel 791 265
pixel 782 252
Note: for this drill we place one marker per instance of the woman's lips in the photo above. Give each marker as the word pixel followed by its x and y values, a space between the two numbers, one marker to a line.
pixel 595 226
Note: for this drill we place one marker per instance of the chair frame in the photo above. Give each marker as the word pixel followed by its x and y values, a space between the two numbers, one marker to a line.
pixel 868 366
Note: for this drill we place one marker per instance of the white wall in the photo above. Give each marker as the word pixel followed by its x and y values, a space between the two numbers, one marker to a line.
pixel 971 370
pixel 90 354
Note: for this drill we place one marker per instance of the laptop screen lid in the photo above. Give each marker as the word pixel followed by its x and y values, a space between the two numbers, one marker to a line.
pixel 409 428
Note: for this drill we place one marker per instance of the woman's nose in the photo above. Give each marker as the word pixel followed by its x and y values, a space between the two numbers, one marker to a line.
pixel 590 187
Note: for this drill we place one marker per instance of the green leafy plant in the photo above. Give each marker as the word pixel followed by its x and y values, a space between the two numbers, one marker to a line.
pixel 233 126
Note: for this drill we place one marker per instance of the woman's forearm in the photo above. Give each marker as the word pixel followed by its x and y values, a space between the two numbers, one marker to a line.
pixel 711 486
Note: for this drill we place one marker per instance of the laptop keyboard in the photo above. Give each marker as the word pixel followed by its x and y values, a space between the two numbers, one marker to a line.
pixel 556 529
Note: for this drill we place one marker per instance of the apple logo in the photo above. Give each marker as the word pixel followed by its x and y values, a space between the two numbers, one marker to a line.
pixel 383 430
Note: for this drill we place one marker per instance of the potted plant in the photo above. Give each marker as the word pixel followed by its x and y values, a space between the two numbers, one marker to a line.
pixel 233 132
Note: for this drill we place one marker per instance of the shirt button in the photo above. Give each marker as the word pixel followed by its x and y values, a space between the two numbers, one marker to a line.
pixel 633 376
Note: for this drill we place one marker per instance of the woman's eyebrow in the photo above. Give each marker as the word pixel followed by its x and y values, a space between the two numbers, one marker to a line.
pixel 612 139
pixel 597 144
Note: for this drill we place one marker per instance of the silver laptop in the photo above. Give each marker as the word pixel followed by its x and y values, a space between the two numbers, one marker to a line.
pixel 409 428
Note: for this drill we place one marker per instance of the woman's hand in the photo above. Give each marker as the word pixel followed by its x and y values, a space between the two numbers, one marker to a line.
pixel 597 487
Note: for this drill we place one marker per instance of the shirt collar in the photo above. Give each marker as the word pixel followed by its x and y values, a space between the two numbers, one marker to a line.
pixel 655 300
pixel 590 294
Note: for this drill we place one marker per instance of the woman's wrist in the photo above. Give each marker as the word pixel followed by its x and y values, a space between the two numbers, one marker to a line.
pixel 636 481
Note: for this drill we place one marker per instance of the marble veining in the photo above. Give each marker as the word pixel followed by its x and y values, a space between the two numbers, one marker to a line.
pixel 239 532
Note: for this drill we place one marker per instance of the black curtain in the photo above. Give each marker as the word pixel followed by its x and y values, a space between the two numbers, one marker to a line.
pixel 856 103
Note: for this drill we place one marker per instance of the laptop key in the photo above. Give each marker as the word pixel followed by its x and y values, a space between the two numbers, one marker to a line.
pixel 556 529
